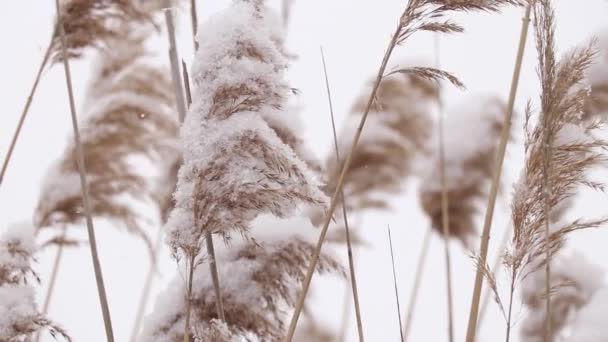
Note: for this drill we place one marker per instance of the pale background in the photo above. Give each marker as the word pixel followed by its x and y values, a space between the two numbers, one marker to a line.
pixel 354 34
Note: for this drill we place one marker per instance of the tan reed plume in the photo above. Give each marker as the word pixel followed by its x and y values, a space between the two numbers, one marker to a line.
pixel 473 129
pixel 128 114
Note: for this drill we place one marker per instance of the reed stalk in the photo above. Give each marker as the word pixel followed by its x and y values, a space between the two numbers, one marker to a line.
pixel 83 183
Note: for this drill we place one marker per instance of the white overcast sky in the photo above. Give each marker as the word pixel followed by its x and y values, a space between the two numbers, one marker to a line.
pixel 354 34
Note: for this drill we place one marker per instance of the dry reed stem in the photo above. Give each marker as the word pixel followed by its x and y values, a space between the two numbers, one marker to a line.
pixel 268 272
pixel 83 183
pixel 417 281
pixel 210 248
pixel 390 242
pixel 445 214
pixel 351 263
pixel 175 74
pixel 145 294
pixel 26 108
pixel 194 21
pixel 504 138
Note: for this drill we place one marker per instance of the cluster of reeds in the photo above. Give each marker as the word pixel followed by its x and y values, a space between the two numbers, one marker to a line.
pixel 241 171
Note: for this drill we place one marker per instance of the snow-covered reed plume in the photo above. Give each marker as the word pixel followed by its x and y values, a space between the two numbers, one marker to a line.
pixel 397 128
pixel 259 281
pixel 236 166
pixel 471 138
pixel 19 316
pixel 574 281
pixel 128 115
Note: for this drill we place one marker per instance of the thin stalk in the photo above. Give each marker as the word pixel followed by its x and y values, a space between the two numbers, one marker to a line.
pixel 219 305
pixel 334 200
pixel 547 147
pixel 189 300
pixel 345 315
pixel 510 312
pixel 194 20
pixel 175 75
pixel 53 278
pixel 445 214
pixel 83 183
pixel 390 241
pixel 351 262
pixel 26 108
pixel 504 138
pixel 417 280
pixel 143 299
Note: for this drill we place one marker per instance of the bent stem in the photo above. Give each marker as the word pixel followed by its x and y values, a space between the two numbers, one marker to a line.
pixel 84 185
pixel 351 263
pixel 504 138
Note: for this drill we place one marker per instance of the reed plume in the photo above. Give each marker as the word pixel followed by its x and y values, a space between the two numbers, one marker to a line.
pixel 473 128
pixel 258 273
pixel 94 23
pixel 574 281
pixel 396 131
pixel 19 316
pixel 128 115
